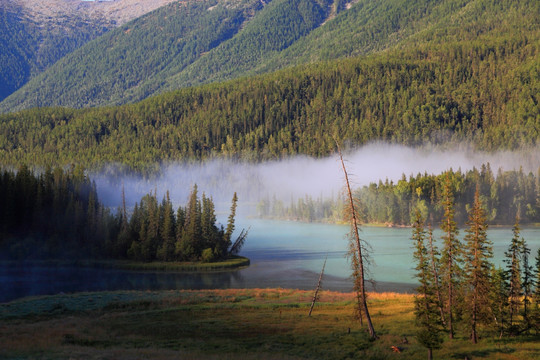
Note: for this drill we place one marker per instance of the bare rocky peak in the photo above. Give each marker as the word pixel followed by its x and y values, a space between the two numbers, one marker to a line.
pixel 110 11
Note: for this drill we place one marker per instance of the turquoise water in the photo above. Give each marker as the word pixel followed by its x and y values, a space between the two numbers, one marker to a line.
pixel 303 246
pixel 283 254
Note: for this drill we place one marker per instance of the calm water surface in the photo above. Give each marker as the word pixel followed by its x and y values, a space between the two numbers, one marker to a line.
pixel 283 254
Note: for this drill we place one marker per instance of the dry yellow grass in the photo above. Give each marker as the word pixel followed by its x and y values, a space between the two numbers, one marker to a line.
pixel 230 324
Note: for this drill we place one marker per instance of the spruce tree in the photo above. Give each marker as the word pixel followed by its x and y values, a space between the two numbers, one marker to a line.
pixel 451 254
pixel 167 227
pixel 434 260
pixel 499 299
pixel 426 303
pixel 209 231
pixel 189 245
pixel 537 288
pixel 478 255
pixel 526 285
pixel 513 274
pixel 230 222
pixel 536 295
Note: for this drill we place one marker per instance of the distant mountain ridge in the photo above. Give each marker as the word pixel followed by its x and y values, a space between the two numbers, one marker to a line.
pixel 115 11
pixel 35 34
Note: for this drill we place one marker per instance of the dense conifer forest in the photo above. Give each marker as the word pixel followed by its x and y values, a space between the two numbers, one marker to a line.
pixel 485 93
pixel 194 42
pixel 57 214
pixel 504 194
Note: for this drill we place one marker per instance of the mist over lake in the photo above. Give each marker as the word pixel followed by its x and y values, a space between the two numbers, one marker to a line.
pixel 296 177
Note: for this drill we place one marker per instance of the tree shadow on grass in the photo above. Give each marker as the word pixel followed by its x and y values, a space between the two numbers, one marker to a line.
pixel 484 353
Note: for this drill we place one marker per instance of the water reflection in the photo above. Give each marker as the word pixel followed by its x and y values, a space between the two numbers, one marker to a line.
pixel 21 281
pixel 282 254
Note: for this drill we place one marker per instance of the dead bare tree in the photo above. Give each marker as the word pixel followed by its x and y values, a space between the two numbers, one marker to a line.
pixel 316 295
pixel 356 251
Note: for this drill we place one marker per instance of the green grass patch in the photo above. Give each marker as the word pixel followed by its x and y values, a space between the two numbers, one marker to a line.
pixel 227 324
pixel 231 263
pixel 234 262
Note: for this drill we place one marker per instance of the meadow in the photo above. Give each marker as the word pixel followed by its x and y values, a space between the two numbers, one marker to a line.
pixel 228 324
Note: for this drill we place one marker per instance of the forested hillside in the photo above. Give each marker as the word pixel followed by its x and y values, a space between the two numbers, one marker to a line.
pixel 132 61
pixel 197 42
pixel 485 92
pixel 277 27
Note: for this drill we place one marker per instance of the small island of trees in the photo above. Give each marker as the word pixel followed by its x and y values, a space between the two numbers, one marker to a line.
pixel 57 215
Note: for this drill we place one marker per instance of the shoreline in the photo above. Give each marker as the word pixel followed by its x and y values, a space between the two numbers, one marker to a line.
pixel 232 263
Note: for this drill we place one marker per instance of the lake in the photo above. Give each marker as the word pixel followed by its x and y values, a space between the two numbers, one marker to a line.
pixel 283 254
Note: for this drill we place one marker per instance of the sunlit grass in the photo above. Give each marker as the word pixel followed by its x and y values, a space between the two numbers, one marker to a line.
pixel 225 324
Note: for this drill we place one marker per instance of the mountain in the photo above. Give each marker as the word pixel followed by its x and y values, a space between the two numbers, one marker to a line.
pixel 35 34
pixel 196 42
pixel 468 71
pixel 482 92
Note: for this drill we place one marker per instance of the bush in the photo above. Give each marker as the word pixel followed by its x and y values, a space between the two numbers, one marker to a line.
pixel 207 255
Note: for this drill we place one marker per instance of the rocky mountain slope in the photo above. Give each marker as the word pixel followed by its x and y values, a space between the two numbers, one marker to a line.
pixel 36 34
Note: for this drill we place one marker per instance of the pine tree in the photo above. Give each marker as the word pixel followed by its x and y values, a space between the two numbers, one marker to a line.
pixel 166 249
pixel 527 284
pixel 209 232
pixel 499 299
pixel 451 254
pixel 230 222
pixel 537 288
pixel 426 303
pixel 536 295
pixel 513 273
pixel 189 245
pixel 152 240
pixel 434 260
pixel 478 255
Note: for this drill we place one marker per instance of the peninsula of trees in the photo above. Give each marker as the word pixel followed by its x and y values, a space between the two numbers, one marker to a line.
pixel 57 214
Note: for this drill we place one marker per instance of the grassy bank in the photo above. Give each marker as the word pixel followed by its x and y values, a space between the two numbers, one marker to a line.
pixel 226 324
pixel 234 262
pixel 231 263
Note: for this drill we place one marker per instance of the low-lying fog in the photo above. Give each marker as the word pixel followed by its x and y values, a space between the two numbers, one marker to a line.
pixel 299 176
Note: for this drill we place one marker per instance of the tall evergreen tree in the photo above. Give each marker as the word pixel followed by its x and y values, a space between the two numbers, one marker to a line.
pixel 166 248
pixel 189 247
pixel 537 288
pixel 499 299
pixel 478 255
pixel 426 303
pixel 527 284
pixel 210 234
pixel 434 260
pixel 536 296
pixel 451 254
pixel 230 222
pixel 513 273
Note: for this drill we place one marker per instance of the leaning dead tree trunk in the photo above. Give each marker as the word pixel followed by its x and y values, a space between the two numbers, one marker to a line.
pixel 356 246
pixel 315 296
